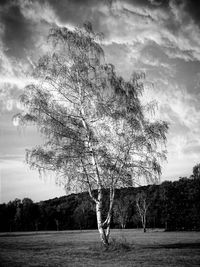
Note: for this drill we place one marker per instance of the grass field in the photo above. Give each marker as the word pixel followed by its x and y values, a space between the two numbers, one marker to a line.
pixel 82 248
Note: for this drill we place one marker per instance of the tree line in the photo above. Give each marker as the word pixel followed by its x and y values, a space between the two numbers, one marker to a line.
pixel 170 205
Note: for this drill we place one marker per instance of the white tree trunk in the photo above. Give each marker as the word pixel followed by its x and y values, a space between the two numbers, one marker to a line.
pixel 104 235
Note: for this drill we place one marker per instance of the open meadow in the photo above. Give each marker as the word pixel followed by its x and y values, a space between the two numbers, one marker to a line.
pixel 82 248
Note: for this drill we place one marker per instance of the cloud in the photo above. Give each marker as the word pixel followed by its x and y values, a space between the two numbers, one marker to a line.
pixel 25 183
pixel 161 38
pixel 192 9
pixel 181 106
pixel 38 12
pixel 156 2
pixel 195 149
pixel 181 109
pixel 22 34
pixel 16 31
pixel 170 28
pixel 132 22
pixel 123 22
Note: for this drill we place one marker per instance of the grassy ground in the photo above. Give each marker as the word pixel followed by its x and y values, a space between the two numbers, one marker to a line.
pixel 82 248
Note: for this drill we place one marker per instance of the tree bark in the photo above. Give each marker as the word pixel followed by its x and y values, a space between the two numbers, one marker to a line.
pixel 144 222
pixel 104 235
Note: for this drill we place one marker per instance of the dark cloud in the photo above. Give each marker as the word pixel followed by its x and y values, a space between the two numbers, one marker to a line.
pixel 78 11
pixel 149 3
pixel 157 35
pixel 156 2
pixel 192 7
pixel 3 2
pixel 17 34
pixel 19 28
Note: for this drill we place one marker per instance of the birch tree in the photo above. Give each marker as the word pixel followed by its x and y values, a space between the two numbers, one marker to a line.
pixel 121 210
pixel 94 125
pixel 142 207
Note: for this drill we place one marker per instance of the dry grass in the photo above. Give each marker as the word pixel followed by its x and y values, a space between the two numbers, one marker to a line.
pixel 82 248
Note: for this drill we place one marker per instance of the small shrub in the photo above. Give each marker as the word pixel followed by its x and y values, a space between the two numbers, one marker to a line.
pixel 115 245
pixel 120 245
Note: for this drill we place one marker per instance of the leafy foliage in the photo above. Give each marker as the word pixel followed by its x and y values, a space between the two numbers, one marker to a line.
pixel 96 131
pixel 93 121
pixel 196 171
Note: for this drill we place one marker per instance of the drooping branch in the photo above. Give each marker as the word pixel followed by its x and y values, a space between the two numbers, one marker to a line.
pixel 95 128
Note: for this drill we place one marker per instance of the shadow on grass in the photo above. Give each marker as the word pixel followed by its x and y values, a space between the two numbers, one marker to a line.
pixel 116 245
pixel 182 245
pixel 175 246
pixel 18 234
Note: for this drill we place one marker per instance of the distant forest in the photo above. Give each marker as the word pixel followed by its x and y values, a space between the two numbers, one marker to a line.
pixel 170 205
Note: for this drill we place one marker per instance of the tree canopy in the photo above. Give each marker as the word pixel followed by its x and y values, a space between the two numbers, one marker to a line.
pixel 95 126
pixel 196 171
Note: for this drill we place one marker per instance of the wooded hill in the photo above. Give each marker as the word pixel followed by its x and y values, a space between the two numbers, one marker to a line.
pixel 170 205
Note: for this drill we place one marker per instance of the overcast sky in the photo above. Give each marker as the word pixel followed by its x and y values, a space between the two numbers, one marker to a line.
pixel 161 38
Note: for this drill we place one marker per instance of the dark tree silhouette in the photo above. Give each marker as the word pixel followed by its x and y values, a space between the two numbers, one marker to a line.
pixel 175 205
pixel 121 209
pixel 196 171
